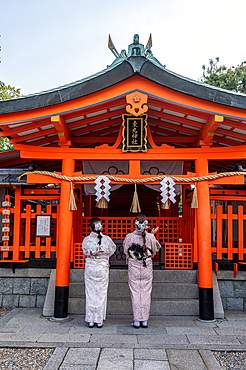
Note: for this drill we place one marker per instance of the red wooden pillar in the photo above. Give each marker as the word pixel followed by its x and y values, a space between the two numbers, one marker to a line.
pixel 205 278
pixel 17 224
pixel 64 244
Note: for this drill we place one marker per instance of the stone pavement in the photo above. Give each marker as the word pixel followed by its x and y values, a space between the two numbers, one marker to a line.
pixel 168 343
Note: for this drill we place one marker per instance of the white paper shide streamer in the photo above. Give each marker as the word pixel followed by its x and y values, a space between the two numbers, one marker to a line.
pixel 102 190
pixel 167 190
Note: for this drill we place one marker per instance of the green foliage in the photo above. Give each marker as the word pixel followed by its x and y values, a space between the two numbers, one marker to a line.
pixel 4 144
pixel 7 92
pixel 232 78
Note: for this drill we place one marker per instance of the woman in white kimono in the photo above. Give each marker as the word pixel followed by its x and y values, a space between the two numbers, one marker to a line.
pixel 97 249
pixel 139 247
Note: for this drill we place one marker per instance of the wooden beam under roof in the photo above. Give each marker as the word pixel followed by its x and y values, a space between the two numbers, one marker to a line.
pixel 179 109
pixel 176 119
pixel 164 124
pixel 207 131
pixel 88 129
pixel 87 121
pixel 20 139
pixel 64 133
pixel 99 107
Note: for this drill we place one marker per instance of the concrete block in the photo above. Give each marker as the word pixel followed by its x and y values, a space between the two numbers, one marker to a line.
pixel 81 356
pixel 174 307
pixel 226 288
pixel 239 289
pixel 48 307
pixel 162 339
pixel 213 339
pixel 65 338
pixel 76 289
pixel 21 285
pixel 119 307
pixel 224 303
pixel 10 300
pixel 150 365
pixel 27 301
pixel 39 286
pixel 76 306
pixel 232 331
pixel 40 301
pixel 185 359
pixel 209 359
pixel 175 276
pixel 25 272
pixel 150 354
pixel 56 359
pixel 116 359
pixel 6 285
pixel 235 304
pixel 175 290
pixel 118 276
pixel 218 306
pixel 77 275
pixel 229 275
pixel 119 290
pixel 113 339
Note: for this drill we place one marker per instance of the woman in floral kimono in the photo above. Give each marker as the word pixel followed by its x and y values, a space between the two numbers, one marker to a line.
pixel 139 247
pixel 97 249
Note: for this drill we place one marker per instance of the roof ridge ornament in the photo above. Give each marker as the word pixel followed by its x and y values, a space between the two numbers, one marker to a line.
pixel 134 50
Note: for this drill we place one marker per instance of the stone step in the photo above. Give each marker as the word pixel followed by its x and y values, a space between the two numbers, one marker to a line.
pixel 160 290
pixel 171 276
pixel 189 307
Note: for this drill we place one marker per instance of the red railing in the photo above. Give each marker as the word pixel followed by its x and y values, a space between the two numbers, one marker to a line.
pixel 26 244
pixel 170 228
pixel 228 233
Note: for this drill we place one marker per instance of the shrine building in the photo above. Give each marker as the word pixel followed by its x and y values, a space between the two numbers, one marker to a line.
pixel 132 138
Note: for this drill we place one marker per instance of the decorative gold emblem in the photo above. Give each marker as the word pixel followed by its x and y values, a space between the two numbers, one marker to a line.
pixel 134 133
pixel 137 103
pixel 136 98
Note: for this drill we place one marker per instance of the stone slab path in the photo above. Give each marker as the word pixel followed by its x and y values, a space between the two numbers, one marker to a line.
pixel 168 343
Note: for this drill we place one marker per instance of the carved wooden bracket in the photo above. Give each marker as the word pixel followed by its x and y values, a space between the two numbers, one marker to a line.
pixel 137 103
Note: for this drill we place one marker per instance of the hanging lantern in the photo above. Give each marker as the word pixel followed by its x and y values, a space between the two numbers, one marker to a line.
pixel 167 190
pixel 102 191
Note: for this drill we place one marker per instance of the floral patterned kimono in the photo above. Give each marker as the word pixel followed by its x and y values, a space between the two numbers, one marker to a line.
pixel 140 277
pixel 97 275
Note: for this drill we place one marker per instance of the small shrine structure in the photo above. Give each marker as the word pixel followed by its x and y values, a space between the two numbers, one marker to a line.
pixel 132 131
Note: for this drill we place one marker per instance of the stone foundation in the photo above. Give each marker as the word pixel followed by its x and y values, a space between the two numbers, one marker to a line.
pixel 232 290
pixel 24 288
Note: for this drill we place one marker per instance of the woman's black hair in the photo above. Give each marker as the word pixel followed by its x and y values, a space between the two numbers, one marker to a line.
pixel 93 221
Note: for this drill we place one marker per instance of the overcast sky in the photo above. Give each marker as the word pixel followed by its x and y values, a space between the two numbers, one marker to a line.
pixel 49 43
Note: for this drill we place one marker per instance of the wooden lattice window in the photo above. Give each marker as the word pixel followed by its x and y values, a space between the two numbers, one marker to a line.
pixel 178 256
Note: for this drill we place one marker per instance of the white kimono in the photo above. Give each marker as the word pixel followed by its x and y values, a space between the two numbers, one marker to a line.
pixel 97 275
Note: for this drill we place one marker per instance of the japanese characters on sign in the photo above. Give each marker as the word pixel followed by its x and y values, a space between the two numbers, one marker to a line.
pixel 134 133
pixel 43 225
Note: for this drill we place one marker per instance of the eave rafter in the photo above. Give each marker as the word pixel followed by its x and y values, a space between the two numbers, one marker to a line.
pixel 64 134
pixel 205 136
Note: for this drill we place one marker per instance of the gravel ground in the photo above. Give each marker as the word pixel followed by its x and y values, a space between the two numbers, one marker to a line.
pixel 3 311
pixel 24 358
pixel 231 360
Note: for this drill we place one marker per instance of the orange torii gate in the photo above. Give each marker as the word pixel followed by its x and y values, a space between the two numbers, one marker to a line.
pixel 203 211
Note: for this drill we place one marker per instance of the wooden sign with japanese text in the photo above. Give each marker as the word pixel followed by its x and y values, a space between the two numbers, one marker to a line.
pixel 134 134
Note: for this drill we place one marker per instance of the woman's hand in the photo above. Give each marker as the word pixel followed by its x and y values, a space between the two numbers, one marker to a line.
pixel 154 230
